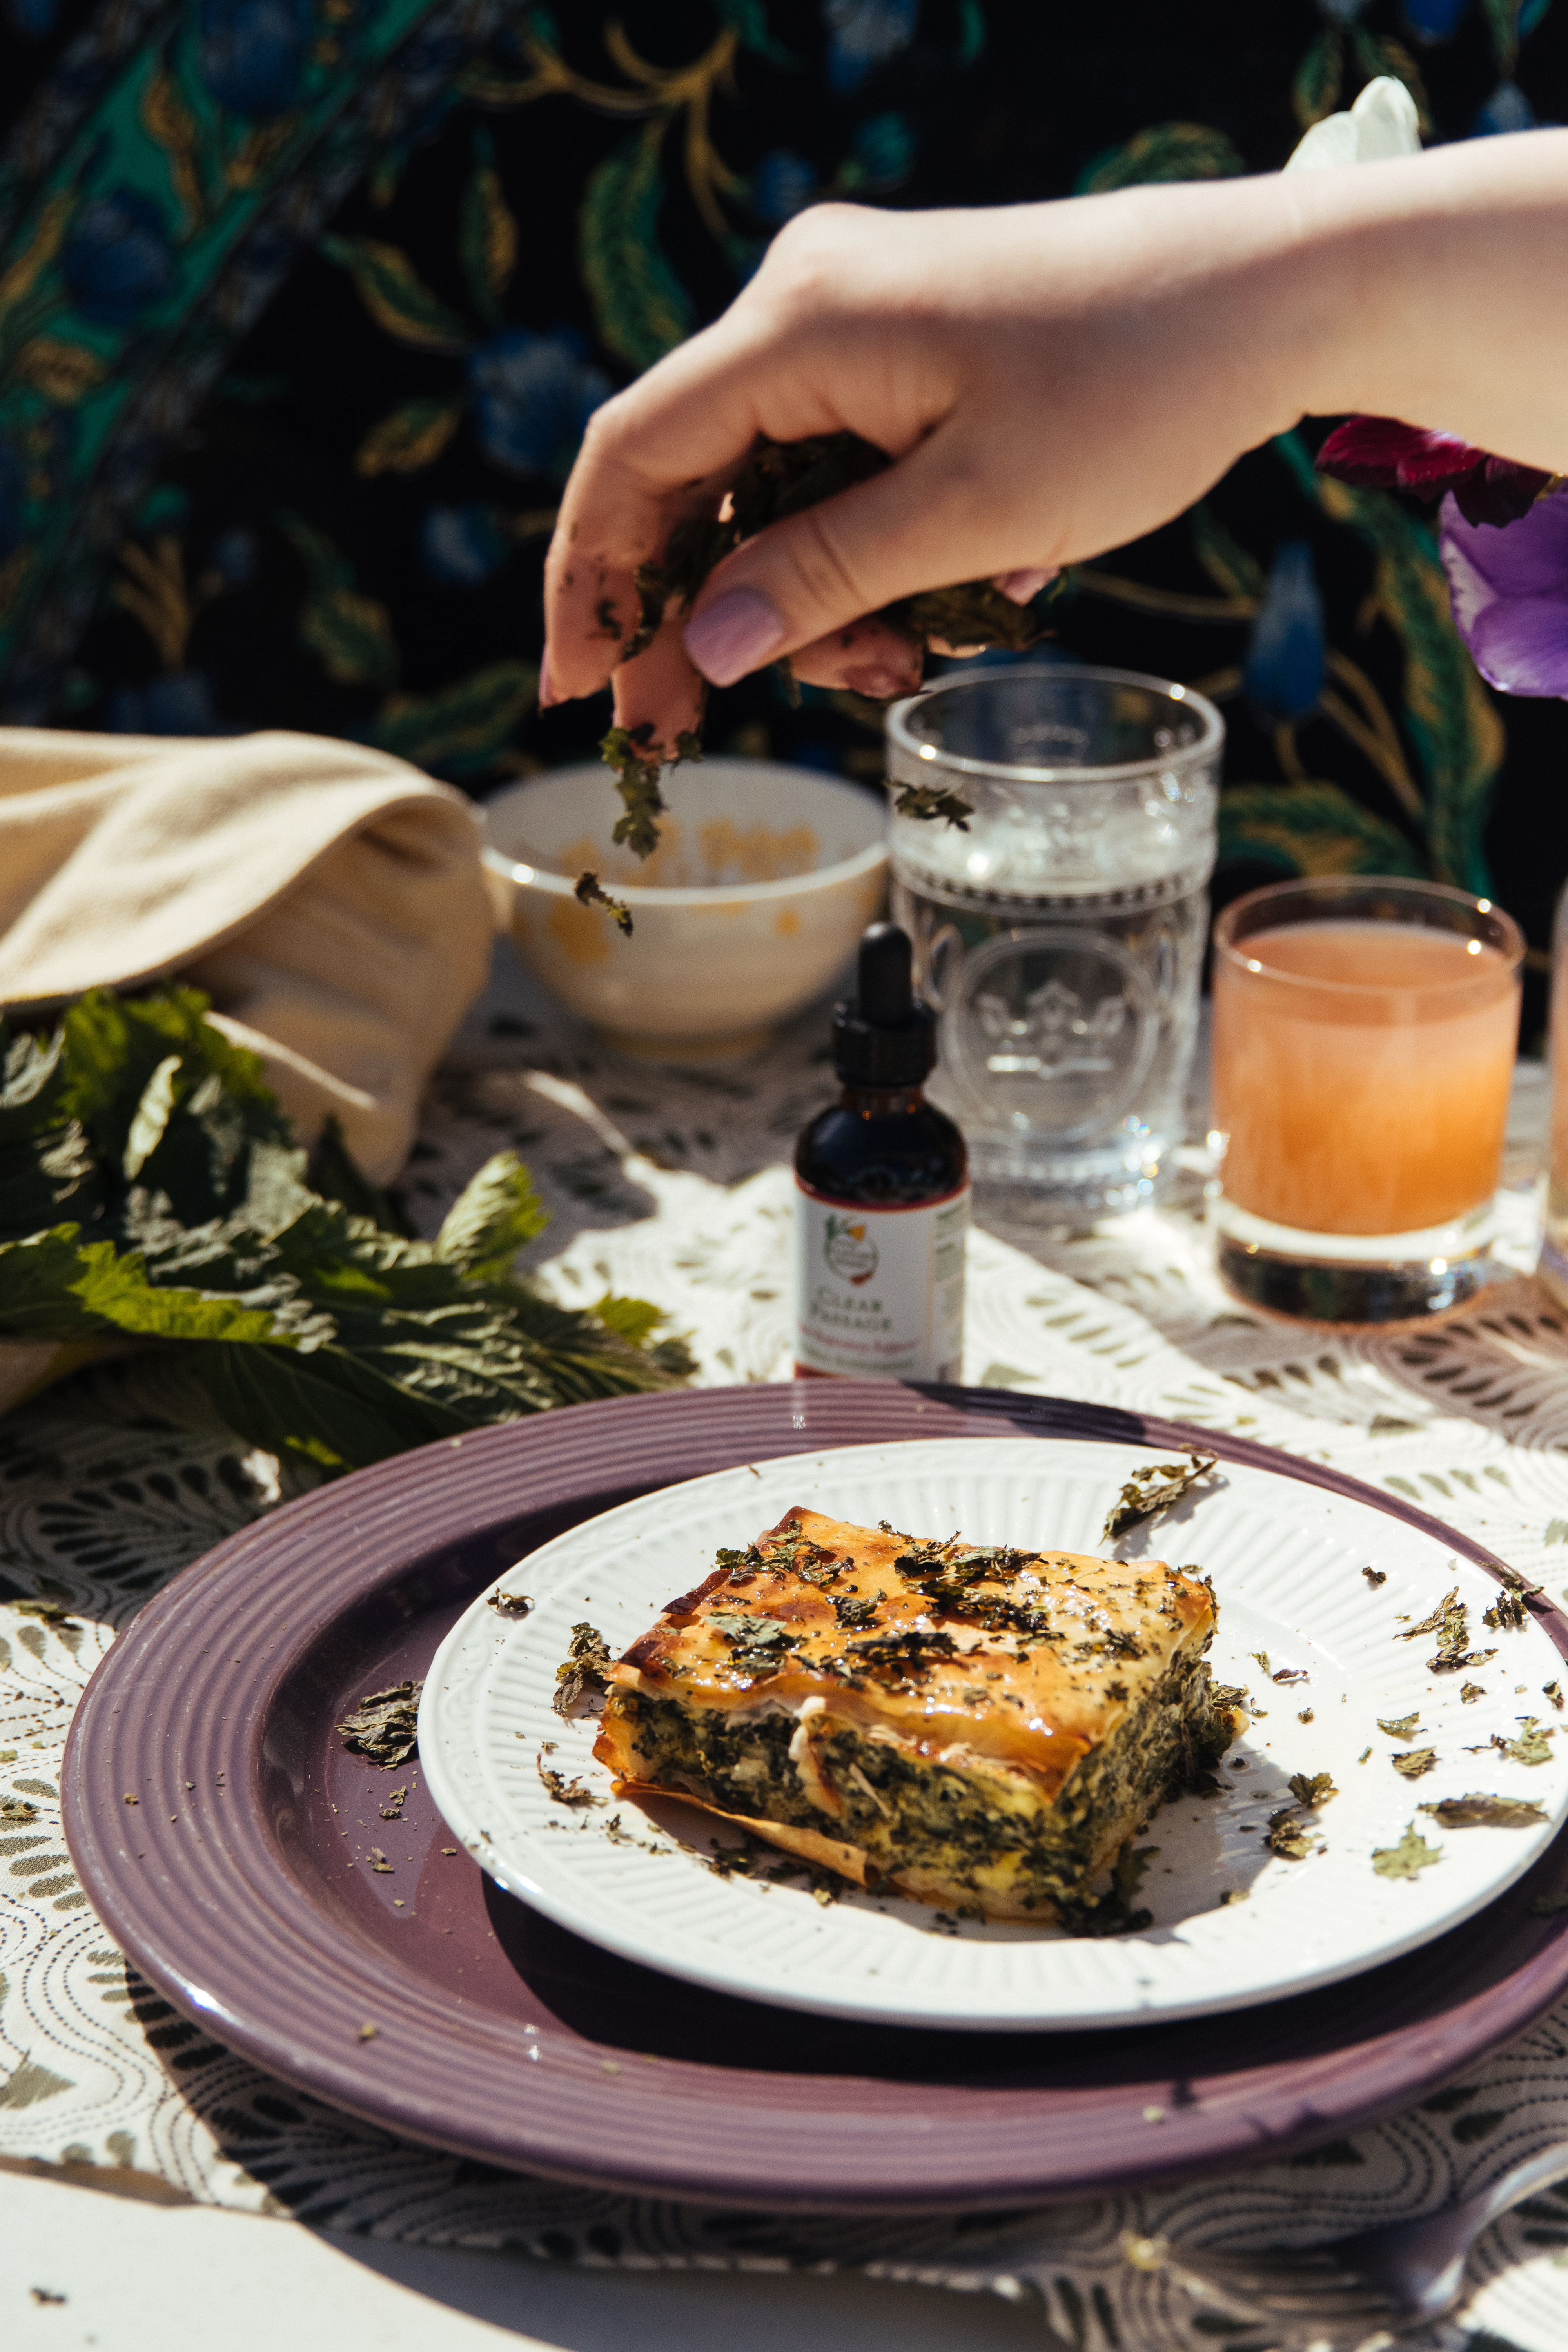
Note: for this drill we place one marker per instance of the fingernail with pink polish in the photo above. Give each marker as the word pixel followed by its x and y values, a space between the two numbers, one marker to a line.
pixel 734 634
pixel 548 698
pixel 1023 585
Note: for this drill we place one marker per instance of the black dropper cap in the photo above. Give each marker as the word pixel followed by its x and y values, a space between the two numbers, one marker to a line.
pixel 884 1036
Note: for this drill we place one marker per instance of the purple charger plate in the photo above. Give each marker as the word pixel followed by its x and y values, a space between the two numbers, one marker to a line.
pixel 249 1900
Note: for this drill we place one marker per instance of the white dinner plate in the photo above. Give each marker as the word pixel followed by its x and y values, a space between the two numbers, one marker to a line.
pixel 1233 1924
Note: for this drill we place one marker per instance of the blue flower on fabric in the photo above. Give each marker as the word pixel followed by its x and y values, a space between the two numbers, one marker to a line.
pixel 461 547
pixel 233 558
pixel 1286 660
pixel 1435 20
pixel 1507 108
pixel 33 19
pixel 253 52
pixel 783 184
pixel 533 394
pixel 864 34
pixel 119 258
pixel 167 706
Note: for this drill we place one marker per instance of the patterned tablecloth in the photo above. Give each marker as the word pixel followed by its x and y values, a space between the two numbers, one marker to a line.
pixel 674 1185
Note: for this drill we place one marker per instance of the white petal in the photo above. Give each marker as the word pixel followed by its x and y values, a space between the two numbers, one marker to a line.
pixel 1386 121
pixel 1327 145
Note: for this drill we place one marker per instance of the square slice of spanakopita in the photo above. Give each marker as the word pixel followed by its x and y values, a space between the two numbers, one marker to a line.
pixel 972 1726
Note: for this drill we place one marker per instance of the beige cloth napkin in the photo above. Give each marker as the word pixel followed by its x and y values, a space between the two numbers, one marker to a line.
pixel 329 899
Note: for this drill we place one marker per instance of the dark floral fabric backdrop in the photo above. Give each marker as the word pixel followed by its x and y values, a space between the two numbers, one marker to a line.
pixel 304 304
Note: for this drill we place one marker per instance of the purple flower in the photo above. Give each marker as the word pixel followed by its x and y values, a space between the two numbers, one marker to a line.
pixel 1510 594
pixel 1378 453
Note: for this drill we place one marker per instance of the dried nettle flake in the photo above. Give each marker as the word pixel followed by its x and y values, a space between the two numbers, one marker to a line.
pixel 1399 1727
pixel 589 891
pixel 1408 1858
pixel 1480 1811
pixel 1153 1489
pixel 386 1726
pixel 1415 1761
pixel 582 1669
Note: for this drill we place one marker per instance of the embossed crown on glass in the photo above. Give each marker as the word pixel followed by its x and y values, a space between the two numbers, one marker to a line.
pixel 1060 936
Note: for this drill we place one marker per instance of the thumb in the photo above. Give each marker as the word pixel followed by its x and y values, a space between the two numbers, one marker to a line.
pixel 930 520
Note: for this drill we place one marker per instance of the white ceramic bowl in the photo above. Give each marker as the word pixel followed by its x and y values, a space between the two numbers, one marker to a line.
pixel 763 879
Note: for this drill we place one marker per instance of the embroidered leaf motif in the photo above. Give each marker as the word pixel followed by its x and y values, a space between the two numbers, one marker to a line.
pixel 488 237
pixel 61 371
pixel 395 296
pixel 1165 150
pixel 37 254
pixel 640 308
pixel 412 436
pixel 1228 564
pixel 168 120
pixel 350 632
pixel 1311 828
pixel 1320 77
pixel 464 728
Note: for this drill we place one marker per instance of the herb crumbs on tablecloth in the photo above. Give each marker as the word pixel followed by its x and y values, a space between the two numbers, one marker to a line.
pixel 1408 1858
pixel 393 1808
pixel 16 1810
pixel 1481 1810
pixel 582 1669
pixel 378 1861
pixel 1152 1489
pixel 1414 1762
pixel 386 1726
pixel 367 2032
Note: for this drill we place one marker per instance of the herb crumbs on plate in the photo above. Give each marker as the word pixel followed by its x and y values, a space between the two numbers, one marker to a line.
pixel 1399 1727
pixel 1484 1812
pixel 1414 1762
pixel 1408 1858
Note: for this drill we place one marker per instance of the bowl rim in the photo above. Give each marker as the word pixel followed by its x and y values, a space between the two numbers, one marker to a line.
pixel 522 876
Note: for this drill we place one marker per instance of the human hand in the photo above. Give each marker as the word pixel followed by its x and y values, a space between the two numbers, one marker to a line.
pixel 1050 380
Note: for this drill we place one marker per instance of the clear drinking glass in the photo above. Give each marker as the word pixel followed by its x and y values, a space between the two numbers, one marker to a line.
pixel 1061 937
pixel 1364 1034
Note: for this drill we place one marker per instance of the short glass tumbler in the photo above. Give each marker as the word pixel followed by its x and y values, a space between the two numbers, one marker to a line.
pixel 1059 934
pixel 1364 1034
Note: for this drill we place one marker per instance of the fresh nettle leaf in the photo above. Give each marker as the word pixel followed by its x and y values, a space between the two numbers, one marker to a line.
pixel 1400 1727
pixel 1414 1763
pixel 583 1668
pixel 386 1726
pixel 1152 1489
pixel 1483 1812
pixel 1408 1859
pixel 324 1331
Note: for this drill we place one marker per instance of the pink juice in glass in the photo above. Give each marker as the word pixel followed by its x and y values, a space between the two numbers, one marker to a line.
pixel 1361 1073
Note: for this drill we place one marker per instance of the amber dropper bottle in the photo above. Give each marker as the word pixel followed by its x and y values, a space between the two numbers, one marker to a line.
pixel 881 1193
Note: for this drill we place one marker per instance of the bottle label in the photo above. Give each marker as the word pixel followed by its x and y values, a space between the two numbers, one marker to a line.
pixel 878 1293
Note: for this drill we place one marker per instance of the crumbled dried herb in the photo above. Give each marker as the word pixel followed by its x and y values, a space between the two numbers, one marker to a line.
pixel 589 892
pixel 378 1861
pixel 1408 1858
pixel 1470 1692
pixel 1290 1675
pixel 1481 1811
pixel 367 2031
pixel 1375 1576
pixel 1447 1619
pixel 1363 1757
pixel 582 1669
pixel 854 1610
pixel 1546 1906
pixel 510 1604
pixel 1531 1746
pixel 1262 1658
pixel 1313 1790
pixel 48 1613
pixel 1153 1489
pixel 1114 1914
pixel 1553 1692
pixel 1453 1661
pixel 14 1811
pixel 1508 1609
pixel 393 1808
pixel 1288 1835
pixel 1399 1727
pixel 928 802
pixel 386 1726
pixel 1416 1761
pixel 754 1858
pixel 563 1791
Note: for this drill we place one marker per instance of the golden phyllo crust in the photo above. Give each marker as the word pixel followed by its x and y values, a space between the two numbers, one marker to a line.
pixel 976 1727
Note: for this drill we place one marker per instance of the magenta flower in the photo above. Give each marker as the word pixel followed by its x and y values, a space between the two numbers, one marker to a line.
pixel 1378 453
pixel 1509 593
